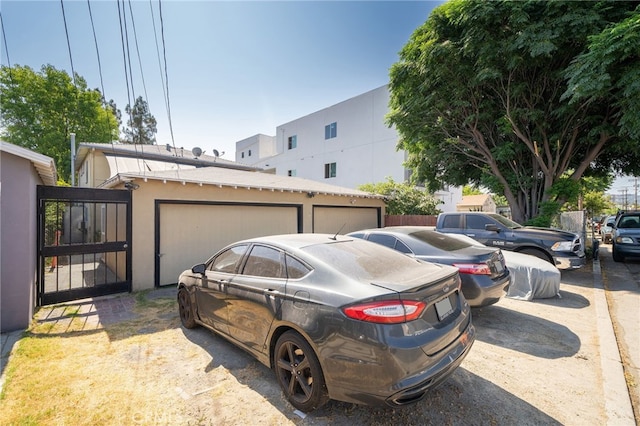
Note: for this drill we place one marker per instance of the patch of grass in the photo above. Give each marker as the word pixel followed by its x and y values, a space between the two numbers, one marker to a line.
pixel 74 376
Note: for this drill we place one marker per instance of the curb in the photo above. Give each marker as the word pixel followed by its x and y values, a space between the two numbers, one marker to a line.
pixel 617 402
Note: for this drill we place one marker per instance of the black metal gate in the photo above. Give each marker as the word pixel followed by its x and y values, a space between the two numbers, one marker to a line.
pixel 84 243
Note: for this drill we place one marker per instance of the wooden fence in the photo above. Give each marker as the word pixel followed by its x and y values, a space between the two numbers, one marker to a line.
pixel 410 220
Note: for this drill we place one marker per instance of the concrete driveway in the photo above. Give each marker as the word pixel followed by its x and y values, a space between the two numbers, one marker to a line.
pixel 548 361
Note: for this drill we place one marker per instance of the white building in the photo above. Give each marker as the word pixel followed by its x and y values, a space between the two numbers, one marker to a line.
pixel 347 144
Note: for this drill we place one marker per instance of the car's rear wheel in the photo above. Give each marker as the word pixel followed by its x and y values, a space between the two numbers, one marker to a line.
pixel 537 253
pixel 299 372
pixel 186 310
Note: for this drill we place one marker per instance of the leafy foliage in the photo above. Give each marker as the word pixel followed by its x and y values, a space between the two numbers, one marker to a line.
pixel 141 126
pixel 478 96
pixel 404 198
pixel 41 109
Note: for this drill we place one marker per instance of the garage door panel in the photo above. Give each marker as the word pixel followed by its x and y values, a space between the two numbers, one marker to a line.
pixel 191 233
pixel 344 219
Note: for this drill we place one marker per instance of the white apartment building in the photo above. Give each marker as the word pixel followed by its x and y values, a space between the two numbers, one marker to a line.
pixel 347 144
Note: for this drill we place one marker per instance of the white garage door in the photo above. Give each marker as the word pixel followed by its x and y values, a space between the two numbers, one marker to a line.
pixel 191 233
pixel 344 219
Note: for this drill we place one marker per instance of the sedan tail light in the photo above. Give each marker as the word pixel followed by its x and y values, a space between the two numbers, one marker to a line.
pixel 473 268
pixel 386 311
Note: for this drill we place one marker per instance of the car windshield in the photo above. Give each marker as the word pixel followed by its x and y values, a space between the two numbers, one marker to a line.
pixel 440 241
pixel 365 260
pixel 629 221
pixel 505 221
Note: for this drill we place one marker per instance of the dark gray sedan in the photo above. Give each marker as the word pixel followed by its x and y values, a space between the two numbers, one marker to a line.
pixel 482 269
pixel 336 317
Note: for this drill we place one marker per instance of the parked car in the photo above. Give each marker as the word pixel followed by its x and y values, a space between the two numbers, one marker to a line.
pixel 606 229
pixel 336 317
pixel 596 221
pixel 530 277
pixel 563 249
pixel 482 269
pixel 626 236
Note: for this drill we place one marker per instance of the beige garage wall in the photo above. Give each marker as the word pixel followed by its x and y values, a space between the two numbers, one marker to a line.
pixel 191 233
pixel 145 227
pixel 343 219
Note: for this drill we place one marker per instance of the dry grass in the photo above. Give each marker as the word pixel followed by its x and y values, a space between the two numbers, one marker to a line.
pixel 53 379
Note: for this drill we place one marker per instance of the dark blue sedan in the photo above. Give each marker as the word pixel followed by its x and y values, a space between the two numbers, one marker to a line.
pixel 484 274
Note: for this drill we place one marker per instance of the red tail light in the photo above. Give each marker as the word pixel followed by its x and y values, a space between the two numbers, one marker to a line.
pixel 386 312
pixel 473 268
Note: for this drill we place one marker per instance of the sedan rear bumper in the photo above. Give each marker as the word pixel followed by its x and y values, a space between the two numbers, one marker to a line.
pixel 362 383
pixel 438 373
pixel 481 290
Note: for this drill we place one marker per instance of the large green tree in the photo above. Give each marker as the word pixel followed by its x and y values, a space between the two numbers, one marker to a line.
pixel 39 111
pixel 141 125
pixel 478 96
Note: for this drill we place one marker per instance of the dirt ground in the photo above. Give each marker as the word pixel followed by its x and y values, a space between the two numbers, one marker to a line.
pixel 532 363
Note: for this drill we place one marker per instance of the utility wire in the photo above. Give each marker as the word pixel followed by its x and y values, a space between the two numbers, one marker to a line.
pixel 6 47
pixel 155 35
pixel 166 75
pixel 125 48
pixel 135 38
pixel 95 41
pixel 104 96
pixel 73 73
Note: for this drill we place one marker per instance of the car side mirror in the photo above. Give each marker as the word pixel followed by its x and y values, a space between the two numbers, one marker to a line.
pixel 491 227
pixel 199 269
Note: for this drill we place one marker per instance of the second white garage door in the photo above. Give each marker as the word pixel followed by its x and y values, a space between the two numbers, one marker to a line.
pixel 330 220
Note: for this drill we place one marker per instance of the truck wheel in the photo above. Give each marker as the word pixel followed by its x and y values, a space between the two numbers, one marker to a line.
pixel 537 253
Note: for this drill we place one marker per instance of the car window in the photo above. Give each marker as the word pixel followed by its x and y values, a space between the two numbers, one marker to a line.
pixel 401 247
pixel 441 241
pixel 451 221
pixel 295 268
pixel 363 260
pixel 384 239
pixel 629 222
pixel 265 261
pixel 228 260
pixel 505 221
pixel 477 222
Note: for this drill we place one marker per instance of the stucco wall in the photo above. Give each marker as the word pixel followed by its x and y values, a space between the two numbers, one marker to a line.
pixel 18 247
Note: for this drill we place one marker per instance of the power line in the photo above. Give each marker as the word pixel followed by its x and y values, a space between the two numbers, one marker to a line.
pixel 155 35
pixel 6 47
pixel 135 38
pixel 166 75
pixel 66 31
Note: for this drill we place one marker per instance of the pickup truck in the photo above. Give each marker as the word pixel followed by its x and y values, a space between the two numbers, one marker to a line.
pixel 563 249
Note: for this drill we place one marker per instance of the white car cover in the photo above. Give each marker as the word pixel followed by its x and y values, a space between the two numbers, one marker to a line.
pixel 531 277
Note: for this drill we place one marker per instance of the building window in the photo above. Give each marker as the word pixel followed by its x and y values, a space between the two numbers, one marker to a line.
pixel 331 130
pixel 249 153
pixel 329 170
pixel 293 142
pixel 242 155
pixel 291 172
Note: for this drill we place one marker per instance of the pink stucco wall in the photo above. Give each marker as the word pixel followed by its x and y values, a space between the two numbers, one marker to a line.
pixel 18 246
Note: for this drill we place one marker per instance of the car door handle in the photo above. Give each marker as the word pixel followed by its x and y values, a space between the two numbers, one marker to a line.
pixel 471 235
pixel 271 292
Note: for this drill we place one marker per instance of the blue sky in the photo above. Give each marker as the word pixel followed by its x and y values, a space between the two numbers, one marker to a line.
pixel 235 68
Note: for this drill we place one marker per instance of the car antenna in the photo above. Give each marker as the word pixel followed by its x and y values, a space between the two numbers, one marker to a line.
pixel 336 234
